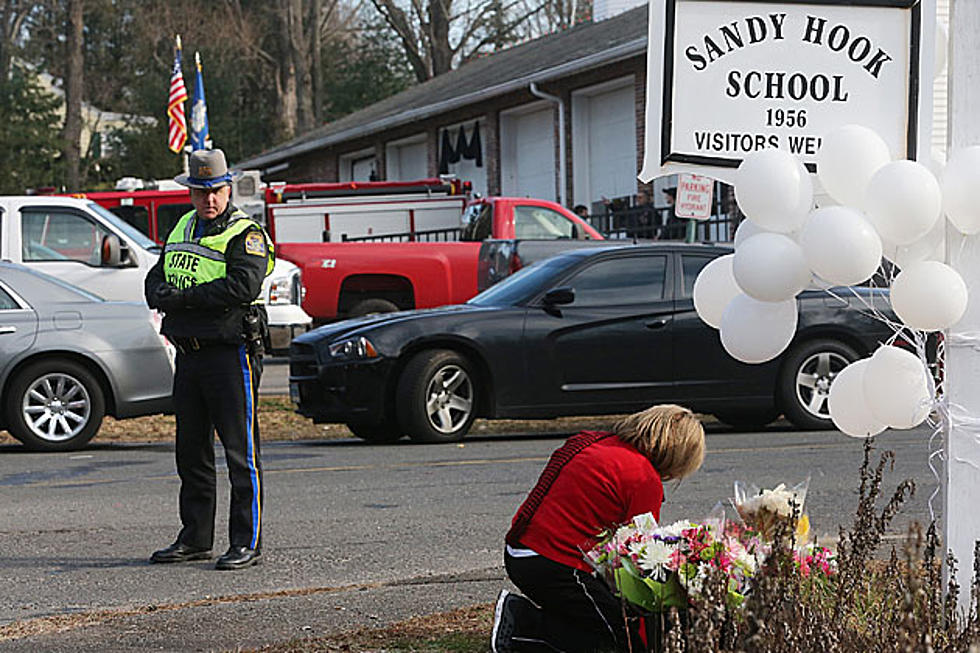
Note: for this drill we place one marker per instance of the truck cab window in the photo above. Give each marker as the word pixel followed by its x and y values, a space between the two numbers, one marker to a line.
pixel 167 217
pixel 540 223
pixel 477 222
pixel 55 235
pixel 137 216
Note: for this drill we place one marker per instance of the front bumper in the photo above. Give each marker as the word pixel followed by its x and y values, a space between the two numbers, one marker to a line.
pixel 339 392
pixel 286 321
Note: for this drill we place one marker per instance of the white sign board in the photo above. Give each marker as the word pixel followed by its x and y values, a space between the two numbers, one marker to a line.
pixel 694 194
pixel 729 77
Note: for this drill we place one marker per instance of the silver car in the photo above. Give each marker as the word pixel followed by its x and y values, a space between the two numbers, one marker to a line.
pixel 68 358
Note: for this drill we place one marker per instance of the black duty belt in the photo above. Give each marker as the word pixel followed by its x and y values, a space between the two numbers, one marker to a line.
pixel 185 345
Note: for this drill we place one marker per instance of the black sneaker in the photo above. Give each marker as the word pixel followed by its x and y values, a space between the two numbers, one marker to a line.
pixel 503 624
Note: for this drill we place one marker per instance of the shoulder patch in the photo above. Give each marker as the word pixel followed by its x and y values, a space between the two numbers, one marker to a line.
pixel 255 243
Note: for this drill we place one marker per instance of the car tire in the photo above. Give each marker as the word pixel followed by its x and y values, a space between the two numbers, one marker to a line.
pixel 437 396
pixel 376 433
pixel 54 405
pixel 804 382
pixel 371 306
pixel 747 419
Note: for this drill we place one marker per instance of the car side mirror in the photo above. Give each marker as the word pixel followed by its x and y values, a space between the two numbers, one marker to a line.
pixel 112 253
pixel 559 296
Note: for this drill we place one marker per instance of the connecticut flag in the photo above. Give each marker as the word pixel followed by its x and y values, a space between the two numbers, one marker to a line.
pixel 175 106
pixel 199 111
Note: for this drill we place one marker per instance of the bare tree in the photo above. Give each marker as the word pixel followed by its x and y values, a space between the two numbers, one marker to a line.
pixel 13 13
pixel 72 132
pixel 291 51
pixel 436 34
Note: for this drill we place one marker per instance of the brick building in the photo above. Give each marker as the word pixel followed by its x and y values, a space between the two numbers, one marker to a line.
pixel 559 117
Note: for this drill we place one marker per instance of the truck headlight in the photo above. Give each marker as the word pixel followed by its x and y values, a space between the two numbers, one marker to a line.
pixel 279 290
pixel 353 348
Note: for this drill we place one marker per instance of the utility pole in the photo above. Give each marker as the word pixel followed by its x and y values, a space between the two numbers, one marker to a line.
pixel 961 480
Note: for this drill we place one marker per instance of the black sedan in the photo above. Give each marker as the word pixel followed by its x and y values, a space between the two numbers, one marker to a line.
pixel 588 332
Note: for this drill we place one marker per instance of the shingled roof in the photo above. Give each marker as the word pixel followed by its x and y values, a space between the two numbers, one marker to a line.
pixel 578 49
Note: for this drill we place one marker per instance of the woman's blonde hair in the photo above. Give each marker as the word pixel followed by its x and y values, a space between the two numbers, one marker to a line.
pixel 669 435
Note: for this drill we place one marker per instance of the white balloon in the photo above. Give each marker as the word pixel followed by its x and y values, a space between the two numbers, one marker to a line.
pixel 848 409
pixel 961 178
pixel 847 159
pixel 746 229
pixel 756 332
pixel 896 388
pixel 931 247
pixel 929 295
pixel 770 267
pixel 771 188
pixel 903 201
pixel 714 288
pixel 840 245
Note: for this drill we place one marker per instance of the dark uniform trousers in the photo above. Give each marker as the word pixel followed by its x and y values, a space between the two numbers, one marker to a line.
pixel 217 386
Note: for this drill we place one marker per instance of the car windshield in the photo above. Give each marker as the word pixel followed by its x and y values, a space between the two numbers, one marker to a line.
pixel 129 230
pixel 523 284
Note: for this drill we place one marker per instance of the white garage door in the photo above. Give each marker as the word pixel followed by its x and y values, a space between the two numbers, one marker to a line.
pixel 407 161
pixel 527 154
pixel 604 144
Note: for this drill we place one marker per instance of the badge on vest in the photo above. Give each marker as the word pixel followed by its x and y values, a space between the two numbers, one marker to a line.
pixel 255 243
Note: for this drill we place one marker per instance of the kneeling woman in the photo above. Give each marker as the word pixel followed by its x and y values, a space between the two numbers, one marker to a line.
pixel 595 481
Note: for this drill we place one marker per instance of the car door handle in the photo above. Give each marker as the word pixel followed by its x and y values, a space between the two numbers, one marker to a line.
pixel 8 329
pixel 657 324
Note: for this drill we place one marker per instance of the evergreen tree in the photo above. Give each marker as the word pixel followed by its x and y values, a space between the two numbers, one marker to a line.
pixel 29 125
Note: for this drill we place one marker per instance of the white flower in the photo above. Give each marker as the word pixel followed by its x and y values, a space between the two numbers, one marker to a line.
pixel 675 529
pixel 654 558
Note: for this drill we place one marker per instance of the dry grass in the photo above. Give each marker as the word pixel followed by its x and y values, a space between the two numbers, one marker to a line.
pixel 462 631
pixel 279 421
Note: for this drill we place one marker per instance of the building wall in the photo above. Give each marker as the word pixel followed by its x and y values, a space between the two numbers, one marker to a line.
pixel 324 164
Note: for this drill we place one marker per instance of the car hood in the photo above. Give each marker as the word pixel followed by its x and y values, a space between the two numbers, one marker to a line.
pixel 366 323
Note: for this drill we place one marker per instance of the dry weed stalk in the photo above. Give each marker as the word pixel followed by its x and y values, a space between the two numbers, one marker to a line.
pixel 873 605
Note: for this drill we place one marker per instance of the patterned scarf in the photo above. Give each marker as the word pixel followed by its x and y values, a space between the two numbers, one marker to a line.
pixel 559 459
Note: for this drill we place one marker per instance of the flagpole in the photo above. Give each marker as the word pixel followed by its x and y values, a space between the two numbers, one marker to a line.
pixel 186 149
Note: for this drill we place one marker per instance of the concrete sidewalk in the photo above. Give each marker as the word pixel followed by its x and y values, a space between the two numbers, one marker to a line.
pixel 253 621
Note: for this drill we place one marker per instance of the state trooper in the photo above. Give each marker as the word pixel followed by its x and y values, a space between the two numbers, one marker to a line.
pixel 207 283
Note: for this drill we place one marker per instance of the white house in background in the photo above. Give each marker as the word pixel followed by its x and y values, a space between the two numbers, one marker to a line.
pixel 559 118
pixel 96 123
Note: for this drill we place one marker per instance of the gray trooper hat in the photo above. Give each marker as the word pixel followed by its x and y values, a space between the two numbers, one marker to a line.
pixel 208 169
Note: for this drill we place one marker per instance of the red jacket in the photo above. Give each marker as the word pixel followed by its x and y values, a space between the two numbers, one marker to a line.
pixel 606 484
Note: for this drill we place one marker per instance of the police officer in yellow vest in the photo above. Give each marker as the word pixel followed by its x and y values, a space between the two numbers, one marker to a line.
pixel 207 283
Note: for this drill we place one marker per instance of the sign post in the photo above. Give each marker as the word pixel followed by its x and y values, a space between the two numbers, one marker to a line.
pixel 961 481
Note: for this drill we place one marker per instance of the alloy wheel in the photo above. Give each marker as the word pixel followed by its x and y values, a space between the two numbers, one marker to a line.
pixel 56 407
pixel 449 399
pixel 813 380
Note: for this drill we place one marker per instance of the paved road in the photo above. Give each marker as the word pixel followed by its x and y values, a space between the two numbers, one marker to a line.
pixel 275 376
pixel 354 534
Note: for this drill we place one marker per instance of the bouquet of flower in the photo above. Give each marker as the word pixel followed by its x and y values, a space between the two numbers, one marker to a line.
pixel 763 510
pixel 814 561
pixel 657 567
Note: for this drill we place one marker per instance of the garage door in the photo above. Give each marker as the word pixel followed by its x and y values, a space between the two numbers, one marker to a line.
pixel 527 154
pixel 604 144
pixel 407 161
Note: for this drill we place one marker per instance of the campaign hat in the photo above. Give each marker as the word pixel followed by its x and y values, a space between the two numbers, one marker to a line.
pixel 206 169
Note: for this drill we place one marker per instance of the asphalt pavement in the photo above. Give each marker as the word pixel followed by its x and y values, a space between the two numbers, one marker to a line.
pixel 275 376
pixel 354 534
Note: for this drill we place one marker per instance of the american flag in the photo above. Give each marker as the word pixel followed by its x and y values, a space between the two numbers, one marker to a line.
pixel 175 106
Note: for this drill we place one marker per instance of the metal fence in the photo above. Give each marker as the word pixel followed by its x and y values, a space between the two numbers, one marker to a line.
pixel 658 222
pixel 427 236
